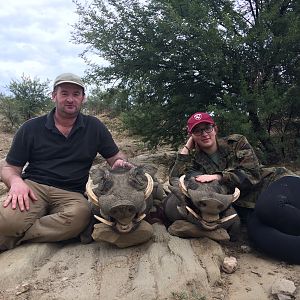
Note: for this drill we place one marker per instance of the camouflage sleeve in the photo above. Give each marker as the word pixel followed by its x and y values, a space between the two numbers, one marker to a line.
pixel 244 171
pixel 195 170
pixel 180 167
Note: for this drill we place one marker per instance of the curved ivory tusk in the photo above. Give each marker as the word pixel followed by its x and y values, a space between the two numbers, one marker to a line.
pixel 204 224
pixel 140 218
pixel 104 221
pixel 193 213
pixel 149 187
pixel 182 186
pixel 90 193
pixel 227 218
pixel 236 194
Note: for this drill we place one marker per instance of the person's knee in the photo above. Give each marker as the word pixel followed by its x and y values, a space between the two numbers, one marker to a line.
pixel 78 217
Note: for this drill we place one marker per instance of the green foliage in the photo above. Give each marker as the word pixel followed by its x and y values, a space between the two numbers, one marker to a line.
pixel 112 101
pixel 29 98
pixel 9 110
pixel 169 58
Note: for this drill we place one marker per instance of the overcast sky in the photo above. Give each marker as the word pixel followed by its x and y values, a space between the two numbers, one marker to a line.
pixel 35 40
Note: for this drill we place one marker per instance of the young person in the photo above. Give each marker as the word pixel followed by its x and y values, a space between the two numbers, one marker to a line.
pixel 232 161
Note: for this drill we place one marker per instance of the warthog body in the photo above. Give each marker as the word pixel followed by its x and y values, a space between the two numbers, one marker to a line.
pixel 207 205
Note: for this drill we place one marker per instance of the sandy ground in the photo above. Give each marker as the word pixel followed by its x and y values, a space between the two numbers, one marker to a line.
pixel 252 280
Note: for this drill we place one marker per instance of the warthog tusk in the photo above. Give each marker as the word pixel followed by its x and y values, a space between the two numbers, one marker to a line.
pixel 182 186
pixel 206 225
pixel 236 194
pixel 193 213
pixel 90 193
pixel 227 218
pixel 104 221
pixel 140 218
pixel 149 187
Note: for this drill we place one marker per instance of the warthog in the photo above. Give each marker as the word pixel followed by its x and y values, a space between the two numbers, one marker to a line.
pixel 123 199
pixel 207 205
pixel 123 196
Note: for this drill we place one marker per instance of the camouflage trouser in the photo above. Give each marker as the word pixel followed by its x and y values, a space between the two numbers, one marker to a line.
pixel 269 175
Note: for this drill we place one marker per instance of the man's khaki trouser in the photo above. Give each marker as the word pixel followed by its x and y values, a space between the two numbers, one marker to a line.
pixel 57 215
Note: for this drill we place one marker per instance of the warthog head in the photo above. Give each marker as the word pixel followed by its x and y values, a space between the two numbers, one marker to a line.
pixel 124 196
pixel 206 203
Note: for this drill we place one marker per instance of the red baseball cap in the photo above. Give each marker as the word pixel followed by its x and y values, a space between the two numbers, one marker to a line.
pixel 198 118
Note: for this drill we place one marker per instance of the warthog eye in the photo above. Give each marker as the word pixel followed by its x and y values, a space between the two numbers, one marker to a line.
pixel 202 204
pixel 137 178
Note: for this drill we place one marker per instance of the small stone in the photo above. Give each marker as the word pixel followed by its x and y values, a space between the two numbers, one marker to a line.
pixel 229 264
pixel 246 249
pixel 283 297
pixel 283 287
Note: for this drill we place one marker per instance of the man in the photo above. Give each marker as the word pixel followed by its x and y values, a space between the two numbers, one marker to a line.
pixel 45 202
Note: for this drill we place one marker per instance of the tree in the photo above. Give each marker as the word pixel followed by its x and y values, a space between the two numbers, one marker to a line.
pixel 166 64
pixel 31 96
pixel 113 101
pixel 236 59
pixel 9 110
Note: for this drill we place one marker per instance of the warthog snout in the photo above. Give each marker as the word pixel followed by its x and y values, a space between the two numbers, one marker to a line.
pixel 123 212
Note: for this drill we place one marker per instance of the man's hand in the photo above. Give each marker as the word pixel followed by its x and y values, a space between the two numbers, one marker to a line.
pixel 208 178
pixel 19 195
pixel 121 163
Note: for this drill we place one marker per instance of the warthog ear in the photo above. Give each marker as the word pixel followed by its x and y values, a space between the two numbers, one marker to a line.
pixel 103 181
pixel 137 178
pixel 151 170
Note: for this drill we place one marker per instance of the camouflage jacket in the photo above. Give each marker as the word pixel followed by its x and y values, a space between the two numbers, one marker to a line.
pixel 236 162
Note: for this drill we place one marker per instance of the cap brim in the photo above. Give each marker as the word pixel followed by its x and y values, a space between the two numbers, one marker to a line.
pixel 69 81
pixel 200 122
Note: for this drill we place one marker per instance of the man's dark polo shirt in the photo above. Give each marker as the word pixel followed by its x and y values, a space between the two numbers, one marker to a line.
pixel 56 160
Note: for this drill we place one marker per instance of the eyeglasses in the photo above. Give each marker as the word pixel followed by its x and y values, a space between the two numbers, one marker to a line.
pixel 200 131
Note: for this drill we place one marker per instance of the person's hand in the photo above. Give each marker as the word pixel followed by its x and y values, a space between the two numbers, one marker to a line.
pixel 208 178
pixel 19 195
pixel 121 163
pixel 189 146
pixel 190 143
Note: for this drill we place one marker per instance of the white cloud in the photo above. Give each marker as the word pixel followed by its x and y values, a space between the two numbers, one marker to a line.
pixel 35 40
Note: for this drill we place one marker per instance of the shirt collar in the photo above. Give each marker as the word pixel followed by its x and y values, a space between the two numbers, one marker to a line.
pixel 50 124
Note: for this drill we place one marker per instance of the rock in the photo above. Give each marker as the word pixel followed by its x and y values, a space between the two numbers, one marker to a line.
pixel 211 254
pixel 186 229
pixel 283 287
pixel 154 270
pixel 246 248
pixel 103 232
pixel 229 264
pixel 283 297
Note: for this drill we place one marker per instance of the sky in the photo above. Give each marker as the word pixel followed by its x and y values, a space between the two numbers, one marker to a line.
pixel 35 40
